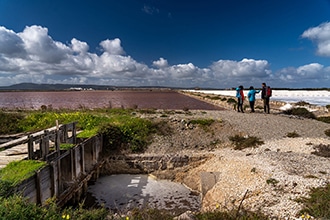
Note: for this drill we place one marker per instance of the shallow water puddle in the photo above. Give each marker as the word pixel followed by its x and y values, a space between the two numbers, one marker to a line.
pixel 124 192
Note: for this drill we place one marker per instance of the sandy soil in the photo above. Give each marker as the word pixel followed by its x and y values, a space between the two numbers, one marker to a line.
pixel 271 176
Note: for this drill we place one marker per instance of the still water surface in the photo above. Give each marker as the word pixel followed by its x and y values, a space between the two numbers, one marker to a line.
pixel 143 99
pixel 125 192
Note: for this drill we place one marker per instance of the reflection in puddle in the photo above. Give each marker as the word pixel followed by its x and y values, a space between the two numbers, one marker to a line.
pixel 124 192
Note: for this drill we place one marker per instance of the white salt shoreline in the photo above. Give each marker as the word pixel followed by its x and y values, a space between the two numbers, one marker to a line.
pixel 315 97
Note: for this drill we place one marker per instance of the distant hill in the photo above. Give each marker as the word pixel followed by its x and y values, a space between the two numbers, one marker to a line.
pixel 59 87
pixel 52 87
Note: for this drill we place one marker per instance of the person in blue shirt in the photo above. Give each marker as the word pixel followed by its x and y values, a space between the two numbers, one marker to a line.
pixel 252 97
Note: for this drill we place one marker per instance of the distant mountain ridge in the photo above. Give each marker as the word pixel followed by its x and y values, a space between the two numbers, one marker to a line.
pixel 59 87
pixel 54 87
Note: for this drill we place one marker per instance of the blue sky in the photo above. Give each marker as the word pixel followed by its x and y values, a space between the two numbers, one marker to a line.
pixel 181 43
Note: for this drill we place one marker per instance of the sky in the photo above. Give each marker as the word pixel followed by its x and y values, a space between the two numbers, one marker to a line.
pixel 172 43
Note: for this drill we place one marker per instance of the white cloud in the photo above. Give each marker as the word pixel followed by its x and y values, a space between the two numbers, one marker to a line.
pixel 79 46
pixel 161 63
pixel 310 70
pixel 243 68
pixel 321 35
pixel 41 47
pixel 33 56
pixel 112 46
pixel 10 43
pixel 310 75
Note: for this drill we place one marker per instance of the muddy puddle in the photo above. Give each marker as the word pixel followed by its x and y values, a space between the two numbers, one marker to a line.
pixel 125 192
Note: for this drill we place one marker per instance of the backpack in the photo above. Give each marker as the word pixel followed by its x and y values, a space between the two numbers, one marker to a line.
pixel 269 92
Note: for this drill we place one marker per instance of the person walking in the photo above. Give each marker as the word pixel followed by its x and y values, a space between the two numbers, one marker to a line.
pixel 240 98
pixel 252 97
pixel 265 95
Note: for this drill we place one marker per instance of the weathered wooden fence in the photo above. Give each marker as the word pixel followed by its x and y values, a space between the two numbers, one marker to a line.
pixel 67 172
pixel 66 176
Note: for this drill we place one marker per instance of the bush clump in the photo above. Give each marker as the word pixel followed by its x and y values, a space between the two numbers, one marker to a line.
pixel 127 133
pixel 318 203
pixel 10 122
pixel 231 101
pixel 241 142
pixel 302 112
pixel 293 134
pixel 322 150
pixel 325 119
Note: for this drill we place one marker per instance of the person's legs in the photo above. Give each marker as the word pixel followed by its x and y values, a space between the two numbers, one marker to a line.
pixel 238 104
pixel 267 104
pixel 252 106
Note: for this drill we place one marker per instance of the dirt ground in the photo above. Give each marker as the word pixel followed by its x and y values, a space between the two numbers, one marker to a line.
pixel 284 160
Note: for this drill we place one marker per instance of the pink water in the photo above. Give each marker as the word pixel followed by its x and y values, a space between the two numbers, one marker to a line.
pixel 142 99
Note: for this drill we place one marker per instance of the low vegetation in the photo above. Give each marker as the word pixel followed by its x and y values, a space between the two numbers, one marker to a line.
pixel 318 203
pixel 322 150
pixel 15 172
pixel 241 142
pixel 293 134
pixel 122 129
pixel 17 207
pixel 301 112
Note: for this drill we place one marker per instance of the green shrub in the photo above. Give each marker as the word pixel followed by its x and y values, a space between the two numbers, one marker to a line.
pixel 112 137
pixel 302 112
pixel 128 132
pixel 231 101
pixel 318 203
pixel 272 181
pixel 327 132
pixel 202 122
pixel 241 142
pixel 292 134
pixel 322 150
pixel 10 122
pixel 17 207
pixel 325 119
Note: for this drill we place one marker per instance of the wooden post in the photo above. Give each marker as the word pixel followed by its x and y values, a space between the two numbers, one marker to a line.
pixel 38 188
pixel 30 148
pixel 57 139
pixel 74 133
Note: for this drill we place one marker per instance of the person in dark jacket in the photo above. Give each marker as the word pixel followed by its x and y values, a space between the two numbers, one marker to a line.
pixel 240 98
pixel 265 97
pixel 252 97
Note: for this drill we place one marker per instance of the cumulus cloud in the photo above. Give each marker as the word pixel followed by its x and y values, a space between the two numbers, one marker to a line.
pixel 34 56
pixel 112 46
pixel 310 75
pixel 321 36
pixel 161 63
pixel 79 46
pixel 243 68
pixel 10 43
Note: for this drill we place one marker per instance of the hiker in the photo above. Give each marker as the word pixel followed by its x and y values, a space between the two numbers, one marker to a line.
pixel 252 97
pixel 266 93
pixel 240 98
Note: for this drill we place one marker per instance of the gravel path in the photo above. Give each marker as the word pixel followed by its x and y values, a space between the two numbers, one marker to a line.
pixel 271 126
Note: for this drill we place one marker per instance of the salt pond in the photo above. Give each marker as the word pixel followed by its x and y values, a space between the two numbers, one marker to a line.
pixel 124 192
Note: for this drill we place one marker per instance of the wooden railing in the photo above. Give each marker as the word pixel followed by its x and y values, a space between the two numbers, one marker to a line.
pixel 67 172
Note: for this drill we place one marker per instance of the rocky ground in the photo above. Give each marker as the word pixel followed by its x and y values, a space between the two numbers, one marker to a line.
pixel 267 178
